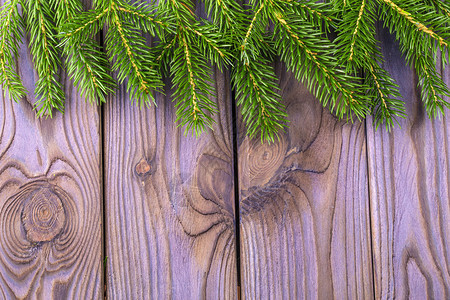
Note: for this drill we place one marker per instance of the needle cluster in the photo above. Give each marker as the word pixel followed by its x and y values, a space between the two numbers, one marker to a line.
pixel 145 42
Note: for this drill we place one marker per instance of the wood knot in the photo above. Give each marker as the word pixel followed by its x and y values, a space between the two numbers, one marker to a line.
pixel 143 168
pixel 43 215
pixel 261 161
pixel 40 225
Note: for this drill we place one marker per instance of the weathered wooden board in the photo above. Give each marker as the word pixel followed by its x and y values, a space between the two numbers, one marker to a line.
pixel 169 203
pixel 409 195
pixel 50 198
pixel 305 207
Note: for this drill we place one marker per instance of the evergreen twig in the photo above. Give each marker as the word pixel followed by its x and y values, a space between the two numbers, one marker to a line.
pixel 345 74
pixel 11 31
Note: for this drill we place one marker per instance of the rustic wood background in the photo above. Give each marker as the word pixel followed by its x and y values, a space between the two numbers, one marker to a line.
pixel 115 202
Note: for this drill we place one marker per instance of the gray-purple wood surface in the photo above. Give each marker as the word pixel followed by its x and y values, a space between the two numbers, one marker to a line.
pixel 169 203
pixel 305 226
pixel 50 197
pixel 116 202
pixel 409 179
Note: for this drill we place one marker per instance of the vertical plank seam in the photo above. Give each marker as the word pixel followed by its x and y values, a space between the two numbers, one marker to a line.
pixel 103 181
pixel 370 210
pixel 237 216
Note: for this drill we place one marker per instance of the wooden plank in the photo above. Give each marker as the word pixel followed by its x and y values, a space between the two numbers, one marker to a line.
pixel 304 207
pixel 169 203
pixel 50 198
pixel 409 192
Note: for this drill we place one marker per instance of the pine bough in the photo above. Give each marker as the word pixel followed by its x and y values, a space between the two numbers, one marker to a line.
pixel 345 74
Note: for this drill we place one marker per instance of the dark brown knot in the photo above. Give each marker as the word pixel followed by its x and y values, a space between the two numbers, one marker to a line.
pixel 143 168
pixel 43 215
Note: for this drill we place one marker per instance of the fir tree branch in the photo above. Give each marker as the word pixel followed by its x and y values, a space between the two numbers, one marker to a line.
pixel 251 34
pixel 65 10
pixel 162 53
pixel 46 57
pixel 195 110
pixel 85 63
pixel 319 14
pixel 11 26
pixel 258 96
pixel 384 92
pixel 131 56
pixel 314 12
pixel 298 56
pixel 191 76
pixel 420 26
pixel 131 11
pixel 433 88
pixel 85 26
pixel 146 17
pixel 355 31
pixel 378 88
pixel 359 53
pixel 126 48
pixel 211 43
pixel 223 12
pixel 251 28
pixel 442 6
pixel 124 44
pixel 356 42
pixel 254 79
pixel 422 56
pixel 93 79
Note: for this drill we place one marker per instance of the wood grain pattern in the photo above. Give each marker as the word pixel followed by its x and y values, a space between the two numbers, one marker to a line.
pixel 50 198
pixel 169 203
pixel 409 191
pixel 304 207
